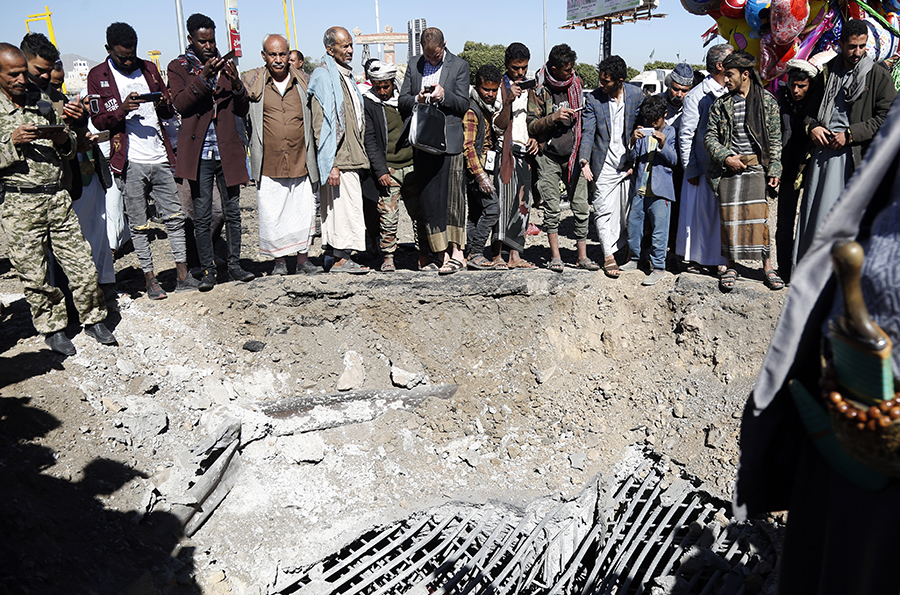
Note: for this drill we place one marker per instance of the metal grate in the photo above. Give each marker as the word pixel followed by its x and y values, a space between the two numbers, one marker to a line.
pixel 643 535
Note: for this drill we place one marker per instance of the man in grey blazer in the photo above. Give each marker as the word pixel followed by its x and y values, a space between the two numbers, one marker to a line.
pixel 436 196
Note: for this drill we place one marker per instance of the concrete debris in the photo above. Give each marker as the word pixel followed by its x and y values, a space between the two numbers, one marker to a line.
pixel 199 480
pixel 715 437
pixel 576 459
pixel 407 372
pixel 318 412
pixel 543 375
pixel 354 373
pixel 302 448
pixel 126 367
pixel 144 418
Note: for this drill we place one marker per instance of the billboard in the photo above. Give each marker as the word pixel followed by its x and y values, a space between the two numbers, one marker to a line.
pixel 577 10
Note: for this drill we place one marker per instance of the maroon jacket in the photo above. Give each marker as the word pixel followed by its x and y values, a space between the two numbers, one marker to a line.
pixel 195 101
pixel 111 117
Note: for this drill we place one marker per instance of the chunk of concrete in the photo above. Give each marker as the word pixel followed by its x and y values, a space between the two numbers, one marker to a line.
pixel 302 448
pixel 354 373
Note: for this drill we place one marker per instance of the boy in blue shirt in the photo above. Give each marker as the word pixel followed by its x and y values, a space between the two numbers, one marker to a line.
pixel 653 154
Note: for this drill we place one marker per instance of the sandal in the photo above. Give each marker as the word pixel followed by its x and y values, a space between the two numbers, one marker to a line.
pixel 451 266
pixel 727 279
pixel 480 263
pixel 349 266
pixel 522 264
pixel 428 268
pixel 611 268
pixel 498 264
pixel 388 266
pixel 773 281
pixel 589 265
pixel 556 265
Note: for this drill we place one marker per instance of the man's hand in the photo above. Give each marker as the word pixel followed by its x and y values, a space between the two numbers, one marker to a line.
pixel 212 68
pixel 24 134
pixel 563 115
pixel 695 181
pixel 231 72
pixel 334 178
pixel 484 182
pixel 838 141
pixel 638 133
pixel 586 172
pixel 437 95
pixel 131 103
pixel 734 163
pixel 385 180
pixel 514 91
pixel 72 112
pixel 774 182
pixel 820 135
pixel 531 147
pixel 86 142
pixel 658 135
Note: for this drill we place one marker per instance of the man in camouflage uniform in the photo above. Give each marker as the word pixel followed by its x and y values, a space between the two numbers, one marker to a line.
pixel 37 212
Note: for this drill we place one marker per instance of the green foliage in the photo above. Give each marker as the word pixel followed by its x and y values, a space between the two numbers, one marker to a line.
pixel 669 65
pixel 479 54
pixel 309 63
pixel 588 73
pixel 632 72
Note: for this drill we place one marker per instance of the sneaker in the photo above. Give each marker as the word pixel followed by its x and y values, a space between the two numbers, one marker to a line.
pixel 207 280
pixel 308 268
pixel 154 291
pixel 60 343
pixel 100 333
pixel 187 284
pixel 239 274
pixel 631 265
pixel 280 268
pixel 653 278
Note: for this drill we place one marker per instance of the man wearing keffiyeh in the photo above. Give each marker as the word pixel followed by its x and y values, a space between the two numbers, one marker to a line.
pixel 554 119
pixel 208 94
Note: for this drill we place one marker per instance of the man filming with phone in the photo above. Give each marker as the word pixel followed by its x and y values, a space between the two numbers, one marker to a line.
pixel 208 94
pixel 133 102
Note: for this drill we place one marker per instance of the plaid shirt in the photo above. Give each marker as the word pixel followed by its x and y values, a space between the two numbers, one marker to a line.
pixel 431 75
pixel 211 143
pixel 474 161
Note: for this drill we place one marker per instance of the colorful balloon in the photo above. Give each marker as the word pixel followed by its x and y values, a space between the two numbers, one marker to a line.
pixel 891 5
pixel 817 11
pixel 788 18
pixel 734 9
pixel 880 45
pixel 745 38
pixel 700 7
pixel 757 13
pixel 773 58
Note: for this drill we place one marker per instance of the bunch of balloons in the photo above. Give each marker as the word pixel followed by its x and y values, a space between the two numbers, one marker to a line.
pixel 778 30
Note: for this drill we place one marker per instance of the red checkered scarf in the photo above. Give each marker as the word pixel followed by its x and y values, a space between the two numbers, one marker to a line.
pixel 576 98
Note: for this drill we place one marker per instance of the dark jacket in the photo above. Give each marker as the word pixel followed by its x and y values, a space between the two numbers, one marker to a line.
pixel 595 134
pixel 111 117
pixel 455 81
pixel 375 142
pixel 866 114
pixel 196 102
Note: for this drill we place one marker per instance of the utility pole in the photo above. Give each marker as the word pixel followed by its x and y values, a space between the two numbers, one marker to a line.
pixel 546 55
pixel 179 16
pixel 378 30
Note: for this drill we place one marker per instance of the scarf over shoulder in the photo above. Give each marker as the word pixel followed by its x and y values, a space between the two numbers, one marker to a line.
pixel 325 86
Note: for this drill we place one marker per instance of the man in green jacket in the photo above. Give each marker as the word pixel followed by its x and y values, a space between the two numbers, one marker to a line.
pixel 743 140
pixel 849 102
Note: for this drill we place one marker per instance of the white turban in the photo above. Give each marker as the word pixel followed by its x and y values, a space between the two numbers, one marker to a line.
pixel 381 71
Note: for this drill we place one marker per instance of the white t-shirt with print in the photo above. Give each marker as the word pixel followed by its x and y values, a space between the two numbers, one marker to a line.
pixel 145 144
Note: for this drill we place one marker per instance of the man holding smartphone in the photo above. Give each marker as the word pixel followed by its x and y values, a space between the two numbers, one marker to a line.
pixel 36 211
pixel 141 156
pixel 208 94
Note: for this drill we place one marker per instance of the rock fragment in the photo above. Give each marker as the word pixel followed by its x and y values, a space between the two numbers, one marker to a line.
pixel 354 373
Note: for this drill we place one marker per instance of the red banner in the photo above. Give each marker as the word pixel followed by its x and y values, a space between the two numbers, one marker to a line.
pixel 234 27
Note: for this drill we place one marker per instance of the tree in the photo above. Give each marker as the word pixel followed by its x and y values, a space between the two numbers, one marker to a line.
pixel 631 73
pixel 588 73
pixel 479 54
pixel 669 65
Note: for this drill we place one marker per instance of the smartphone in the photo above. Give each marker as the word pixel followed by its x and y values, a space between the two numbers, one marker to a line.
pixel 47 130
pixel 648 131
pixel 229 55
pixel 102 136
pixel 150 96
pixel 429 88
pixel 529 84
pixel 578 109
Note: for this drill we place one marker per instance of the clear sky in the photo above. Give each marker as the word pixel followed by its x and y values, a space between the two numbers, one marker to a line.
pixel 80 26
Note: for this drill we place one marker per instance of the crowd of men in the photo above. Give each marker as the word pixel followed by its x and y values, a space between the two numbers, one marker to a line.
pixel 683 177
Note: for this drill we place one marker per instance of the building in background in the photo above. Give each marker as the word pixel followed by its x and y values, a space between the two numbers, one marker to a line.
pixel 416 26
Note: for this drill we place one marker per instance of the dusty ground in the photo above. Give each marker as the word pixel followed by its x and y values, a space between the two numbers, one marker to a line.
pixel 557 374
